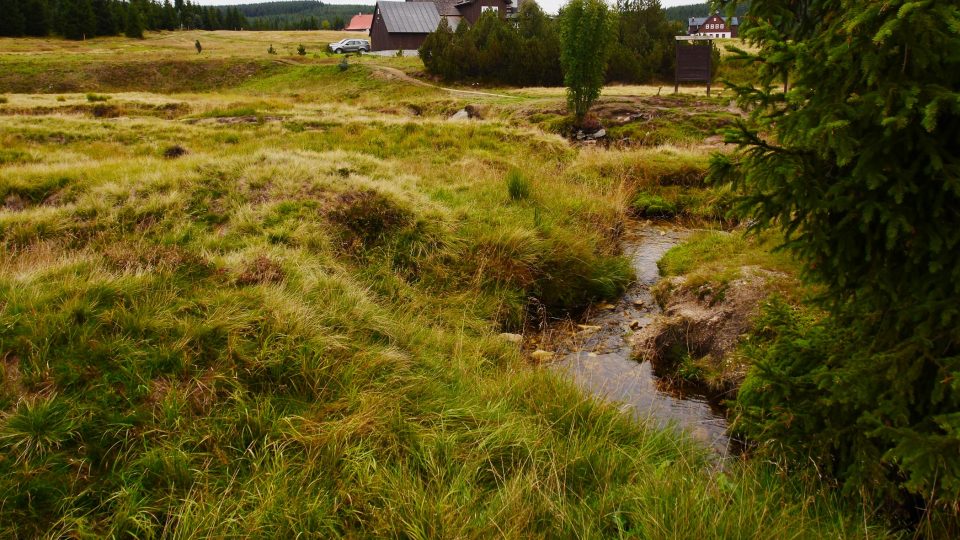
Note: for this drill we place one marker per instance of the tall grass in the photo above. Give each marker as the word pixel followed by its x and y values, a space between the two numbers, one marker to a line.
pixel 292 332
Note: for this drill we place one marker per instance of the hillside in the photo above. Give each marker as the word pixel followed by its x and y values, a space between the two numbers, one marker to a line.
pixel 303 14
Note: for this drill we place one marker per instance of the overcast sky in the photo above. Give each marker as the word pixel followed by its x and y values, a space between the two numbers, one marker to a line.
pixel 547 5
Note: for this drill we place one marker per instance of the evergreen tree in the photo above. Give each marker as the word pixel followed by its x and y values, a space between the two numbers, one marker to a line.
pixel 104 13
pixel 539 55
pixel 37 17
pixel 77 19
pixel 12 20
pixel 434 51
pixel 207 19
pixel 133 27
pixel 859 163
pixel 168 18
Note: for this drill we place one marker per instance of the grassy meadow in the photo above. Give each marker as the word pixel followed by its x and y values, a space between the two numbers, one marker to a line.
pixel 254 295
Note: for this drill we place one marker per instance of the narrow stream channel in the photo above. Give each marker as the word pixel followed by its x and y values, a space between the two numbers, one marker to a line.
pixel 602 361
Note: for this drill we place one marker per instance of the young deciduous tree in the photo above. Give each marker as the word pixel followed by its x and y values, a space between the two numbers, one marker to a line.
pixel 586 31
pixel 859 162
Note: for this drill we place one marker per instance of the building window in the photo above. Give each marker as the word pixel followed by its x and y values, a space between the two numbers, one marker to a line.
pixel 484 9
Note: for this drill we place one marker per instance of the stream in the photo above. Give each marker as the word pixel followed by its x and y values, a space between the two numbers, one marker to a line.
pixel 601 361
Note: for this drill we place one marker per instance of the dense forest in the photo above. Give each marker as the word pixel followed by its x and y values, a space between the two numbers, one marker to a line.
pixel 300 15
pixel 82 19
pixel 682 13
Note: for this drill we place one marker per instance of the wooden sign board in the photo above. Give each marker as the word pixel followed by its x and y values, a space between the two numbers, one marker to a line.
pixel 693 62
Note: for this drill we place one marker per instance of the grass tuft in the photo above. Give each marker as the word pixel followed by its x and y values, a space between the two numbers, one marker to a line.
pixel 518 186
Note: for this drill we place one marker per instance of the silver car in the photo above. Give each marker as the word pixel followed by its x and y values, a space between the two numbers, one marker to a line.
pixel 350 45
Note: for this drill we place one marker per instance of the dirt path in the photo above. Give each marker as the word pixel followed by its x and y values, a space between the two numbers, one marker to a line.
pixel 398 74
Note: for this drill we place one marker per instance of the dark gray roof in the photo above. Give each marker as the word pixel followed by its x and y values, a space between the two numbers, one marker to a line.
pixel 409 17
pixel 446 8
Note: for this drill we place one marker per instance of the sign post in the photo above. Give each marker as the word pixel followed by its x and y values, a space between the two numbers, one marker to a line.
pixel 693 61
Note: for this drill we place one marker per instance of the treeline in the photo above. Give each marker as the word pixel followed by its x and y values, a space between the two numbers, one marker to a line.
pixel 527 51
pixel 683 13
pixel 297 23
pixel 82 19
pixel 300 15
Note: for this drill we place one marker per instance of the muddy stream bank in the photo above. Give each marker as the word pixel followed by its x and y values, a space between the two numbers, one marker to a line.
pixel 599 357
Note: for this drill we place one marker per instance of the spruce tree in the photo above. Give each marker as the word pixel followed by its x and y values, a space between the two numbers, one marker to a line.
pixel 133 27
pixel 77 19
pixel 168 17
pixel 104 13
pixel 12 20
pixel 37 17
pixel 859 163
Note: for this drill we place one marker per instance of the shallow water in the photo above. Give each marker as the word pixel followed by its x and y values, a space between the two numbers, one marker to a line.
pixel 602 360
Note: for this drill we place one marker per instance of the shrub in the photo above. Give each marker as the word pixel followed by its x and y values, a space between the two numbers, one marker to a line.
pixel 301 50
pixel 271 50
pixel 93 98
pixel 517 185
pixel 174 151
pixel 3 99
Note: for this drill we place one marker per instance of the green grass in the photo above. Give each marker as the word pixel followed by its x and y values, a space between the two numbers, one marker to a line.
pixel 291 328
pixel 718 257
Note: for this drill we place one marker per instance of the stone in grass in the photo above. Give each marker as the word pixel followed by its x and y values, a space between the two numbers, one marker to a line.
pixel 511 338
pixel 462 114
pixel 541 355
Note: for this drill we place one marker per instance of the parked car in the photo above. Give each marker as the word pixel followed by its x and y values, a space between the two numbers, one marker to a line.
pixel 350 45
